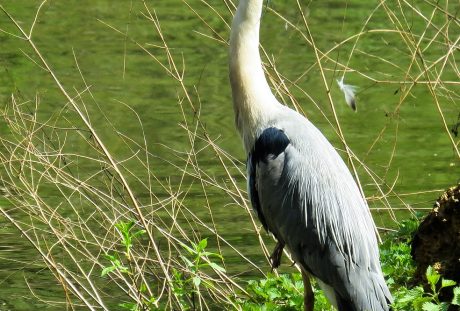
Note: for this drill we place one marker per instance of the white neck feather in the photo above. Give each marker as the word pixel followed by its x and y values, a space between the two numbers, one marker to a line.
pixel 252 98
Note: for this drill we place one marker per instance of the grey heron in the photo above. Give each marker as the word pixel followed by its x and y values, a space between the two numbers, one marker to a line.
pixel 300 188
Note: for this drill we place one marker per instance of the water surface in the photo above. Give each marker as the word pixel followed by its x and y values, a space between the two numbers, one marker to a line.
pixel 413 153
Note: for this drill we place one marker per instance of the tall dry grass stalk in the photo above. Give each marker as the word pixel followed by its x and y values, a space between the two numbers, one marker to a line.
pixel 69 214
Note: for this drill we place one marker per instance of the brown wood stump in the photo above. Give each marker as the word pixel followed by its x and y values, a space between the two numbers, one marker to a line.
pixel 436 242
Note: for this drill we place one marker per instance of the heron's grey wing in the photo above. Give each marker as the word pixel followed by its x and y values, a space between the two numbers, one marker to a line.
pixel 268 147
pixel 299 199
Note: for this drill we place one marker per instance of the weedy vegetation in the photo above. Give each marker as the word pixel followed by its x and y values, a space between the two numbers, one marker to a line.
pixel 285 291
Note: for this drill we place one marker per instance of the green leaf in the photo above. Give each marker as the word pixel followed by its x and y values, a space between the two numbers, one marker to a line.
pixel 433 277
pixel 107 270
pixel 429 306
pixel 216 267
pixel 209 254
pixel 110 257
pixel 120 225
pixel 138 233
pixel 196 281
pixel 187 261
pixel 273 293
pixel 126 241
pixel 128 306
pixel 202 245
pixel 447 283
pixel 456 299
pixel 124 269
pixel 188 248
pixel 124 227
pixel 412 294
pixel 206 254
pixel 417 303
pixel 444 306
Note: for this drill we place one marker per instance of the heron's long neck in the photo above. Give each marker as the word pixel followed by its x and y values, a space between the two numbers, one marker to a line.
pixel 251 93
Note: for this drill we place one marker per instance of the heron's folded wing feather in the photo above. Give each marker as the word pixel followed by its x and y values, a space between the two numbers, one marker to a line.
pixel 306 197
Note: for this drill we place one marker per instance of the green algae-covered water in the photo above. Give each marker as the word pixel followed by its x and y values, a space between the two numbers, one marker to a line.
pixel 400 136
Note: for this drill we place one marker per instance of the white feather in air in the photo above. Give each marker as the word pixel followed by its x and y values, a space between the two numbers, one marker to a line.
pixel 349 91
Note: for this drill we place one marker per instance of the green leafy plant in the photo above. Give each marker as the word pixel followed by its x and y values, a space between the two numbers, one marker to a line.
pixel 283 292
pixel 116 264
pixel 418 300
pixel 407 228
pixel 125 229
pixel 128 234
pixel 200 260
pixel 396 260
pixel 397 264
pixel 131 306
pixel 180 289
pixel 127 237
pixel 399 268
pixel 456 298
pixel 187 282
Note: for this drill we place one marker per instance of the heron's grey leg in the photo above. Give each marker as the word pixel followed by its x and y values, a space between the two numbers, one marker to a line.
pixel 309 298
pixel 275 257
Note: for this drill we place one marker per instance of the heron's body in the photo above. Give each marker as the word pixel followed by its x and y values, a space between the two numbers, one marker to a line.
pixel 299 186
